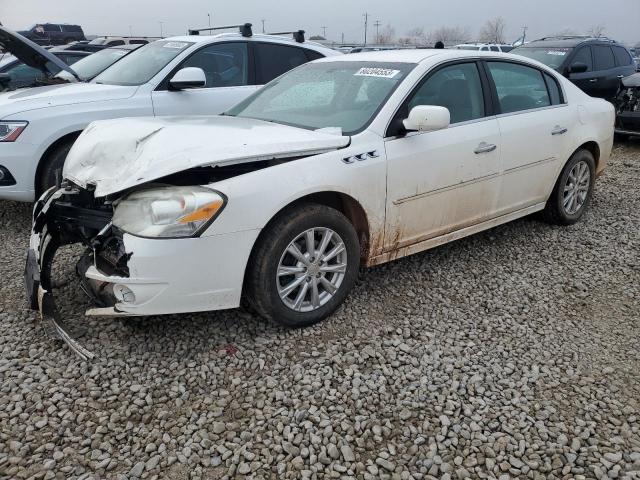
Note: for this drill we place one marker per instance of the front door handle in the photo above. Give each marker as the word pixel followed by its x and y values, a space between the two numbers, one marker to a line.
pixel 620 76
pixel 484 148
pixel 593 80
pixel 558 130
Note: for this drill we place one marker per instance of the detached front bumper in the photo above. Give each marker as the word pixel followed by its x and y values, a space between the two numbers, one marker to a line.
pixel 127 275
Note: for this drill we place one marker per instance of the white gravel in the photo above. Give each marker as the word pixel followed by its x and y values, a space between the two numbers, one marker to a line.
pixel 511 354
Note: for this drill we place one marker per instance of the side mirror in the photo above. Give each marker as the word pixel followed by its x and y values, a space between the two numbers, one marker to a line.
pixel 578 67
pixel 427 118
pixel 188 77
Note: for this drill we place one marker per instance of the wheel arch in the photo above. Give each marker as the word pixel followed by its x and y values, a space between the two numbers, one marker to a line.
pixel 344 203
pixel 592 147
pixel 67 137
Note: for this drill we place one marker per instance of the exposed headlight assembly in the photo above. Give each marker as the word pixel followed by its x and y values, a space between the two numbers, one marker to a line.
pixel 10 131
pixel 168 212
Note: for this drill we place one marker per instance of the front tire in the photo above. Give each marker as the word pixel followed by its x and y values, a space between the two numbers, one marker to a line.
pixel 51 169
pixel 573 190
pixel 304 266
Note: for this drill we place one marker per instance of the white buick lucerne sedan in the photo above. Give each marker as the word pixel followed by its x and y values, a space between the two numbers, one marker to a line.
pixel 339 163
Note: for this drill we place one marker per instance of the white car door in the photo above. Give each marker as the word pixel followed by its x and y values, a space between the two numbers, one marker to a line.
pixel 444 180
pixel 226 69
pixel 535 126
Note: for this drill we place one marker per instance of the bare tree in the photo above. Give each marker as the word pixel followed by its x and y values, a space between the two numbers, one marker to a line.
pixel 448 35
pixel 493 31
pixel 596 30
pixel 386 35
pixel 415 36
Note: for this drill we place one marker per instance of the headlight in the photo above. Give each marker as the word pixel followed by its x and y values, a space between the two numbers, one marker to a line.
pixel 168 211
pixel 10 131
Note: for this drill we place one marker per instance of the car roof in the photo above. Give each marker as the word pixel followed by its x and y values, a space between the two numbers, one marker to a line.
pixel 566 42
pixel 416 55
pixel 203 39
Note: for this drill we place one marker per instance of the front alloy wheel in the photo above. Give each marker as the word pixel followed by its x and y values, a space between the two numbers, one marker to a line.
pixel 303 266
pixel 312 269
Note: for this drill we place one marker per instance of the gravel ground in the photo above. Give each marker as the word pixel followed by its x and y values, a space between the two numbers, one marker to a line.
pixel 511 354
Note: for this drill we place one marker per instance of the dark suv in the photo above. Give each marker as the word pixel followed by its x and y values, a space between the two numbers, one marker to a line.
pixel 53 33
pixel 596 65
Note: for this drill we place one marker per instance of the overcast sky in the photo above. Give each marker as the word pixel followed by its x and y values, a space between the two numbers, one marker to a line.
pixel 621 18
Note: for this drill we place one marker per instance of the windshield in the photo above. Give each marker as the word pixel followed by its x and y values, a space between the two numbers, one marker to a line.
pixel 89 67
pixel 346 95
pixel 550 56
pixel 142 64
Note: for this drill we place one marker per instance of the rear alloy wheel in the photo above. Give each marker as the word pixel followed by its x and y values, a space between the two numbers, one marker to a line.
pixel 304 266
pixel 573 190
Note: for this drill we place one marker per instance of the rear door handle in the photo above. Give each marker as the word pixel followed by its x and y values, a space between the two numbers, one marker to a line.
pixel 485 148
pixel 620 76
pixel 593 80
pixel 558 130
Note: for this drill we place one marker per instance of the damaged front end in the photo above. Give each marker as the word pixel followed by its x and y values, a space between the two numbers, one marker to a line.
pixel 65 216
pixel 628 106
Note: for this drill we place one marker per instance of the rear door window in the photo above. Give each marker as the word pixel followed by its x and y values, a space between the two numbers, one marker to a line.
pixel 272 60
pixel 51 28
pixel 519 87
pixel 603 57
pixel 622 56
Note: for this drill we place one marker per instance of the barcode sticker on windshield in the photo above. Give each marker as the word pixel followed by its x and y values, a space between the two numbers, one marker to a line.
pixel 556 52
pixel 376 72
pixel 178 45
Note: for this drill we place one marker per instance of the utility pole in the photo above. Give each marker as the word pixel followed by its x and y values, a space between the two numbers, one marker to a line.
pixel 324 32
pixel 263 25
pixel 524 34
pixel 342 38
pixel 161 29
pixel 377 24
pixel 209 18
pixel 366 23
pixel 130 31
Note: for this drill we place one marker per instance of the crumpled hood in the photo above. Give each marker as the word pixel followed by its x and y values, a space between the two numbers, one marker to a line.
pixel 27 99
pixel 114 155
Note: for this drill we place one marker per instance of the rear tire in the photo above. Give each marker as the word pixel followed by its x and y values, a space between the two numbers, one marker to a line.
pixel 304 287
pixel 573 190
pixel 51 169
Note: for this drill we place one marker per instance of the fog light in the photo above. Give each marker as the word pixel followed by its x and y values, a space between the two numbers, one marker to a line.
pixel 5 177
pixel 123 294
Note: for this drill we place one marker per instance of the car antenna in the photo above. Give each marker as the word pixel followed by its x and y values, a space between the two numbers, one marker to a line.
pixel 298 35
pixel 245 29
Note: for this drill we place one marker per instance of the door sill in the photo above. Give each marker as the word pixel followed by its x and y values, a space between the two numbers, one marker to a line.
pixel 450 237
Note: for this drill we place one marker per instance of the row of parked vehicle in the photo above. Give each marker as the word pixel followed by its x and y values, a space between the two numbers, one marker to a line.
pixel 339 161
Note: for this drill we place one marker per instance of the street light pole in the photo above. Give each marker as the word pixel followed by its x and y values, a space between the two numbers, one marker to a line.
pixel 366 22
pixel 377 24
pixel 161 29
pixel 263 25
pixel 209 18
pixel 324 32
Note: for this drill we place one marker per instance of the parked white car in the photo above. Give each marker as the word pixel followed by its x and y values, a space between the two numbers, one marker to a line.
pixel 343 162
pixel 194 75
